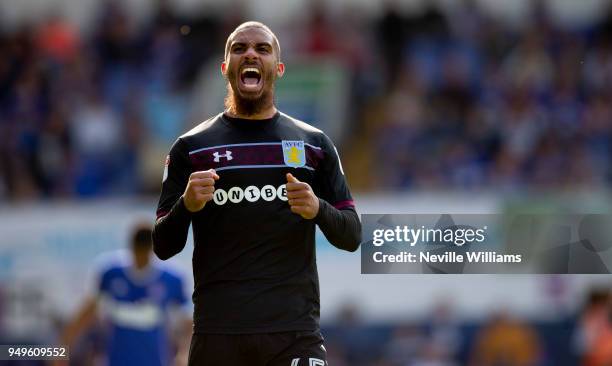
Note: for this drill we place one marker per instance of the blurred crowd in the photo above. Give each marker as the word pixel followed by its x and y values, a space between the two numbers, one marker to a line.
pixel 442 339
pixel 444 98
pixel 472 102
pixel 79 112
pixel 582 337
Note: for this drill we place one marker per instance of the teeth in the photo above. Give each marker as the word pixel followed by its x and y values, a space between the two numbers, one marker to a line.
pixel 251 69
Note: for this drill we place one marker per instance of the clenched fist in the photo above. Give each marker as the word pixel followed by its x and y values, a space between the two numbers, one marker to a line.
pixel 200 189
pixel 301 198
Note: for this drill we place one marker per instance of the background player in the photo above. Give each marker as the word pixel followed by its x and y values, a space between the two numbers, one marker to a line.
pixel 254 182
pixel 135 295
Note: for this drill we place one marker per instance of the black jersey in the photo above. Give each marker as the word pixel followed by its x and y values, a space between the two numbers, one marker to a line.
pixel 254 262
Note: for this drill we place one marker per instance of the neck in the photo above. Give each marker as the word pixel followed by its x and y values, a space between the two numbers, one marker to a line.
pixel 237 107
pixel 263 114
pixel 141 266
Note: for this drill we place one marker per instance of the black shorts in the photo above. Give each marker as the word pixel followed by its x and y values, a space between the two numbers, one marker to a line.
pixel 303 348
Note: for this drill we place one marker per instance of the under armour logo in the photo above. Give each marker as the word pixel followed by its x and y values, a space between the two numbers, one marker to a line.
pixel 227 155
pixel 311 362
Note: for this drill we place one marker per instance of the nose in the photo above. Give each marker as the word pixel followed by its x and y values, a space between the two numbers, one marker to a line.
pixel 250 53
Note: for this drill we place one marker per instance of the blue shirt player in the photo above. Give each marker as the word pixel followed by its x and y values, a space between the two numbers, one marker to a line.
pixel 134 296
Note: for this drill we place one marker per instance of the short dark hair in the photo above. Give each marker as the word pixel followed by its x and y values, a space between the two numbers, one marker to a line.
pixel 142 236
pixel 253 24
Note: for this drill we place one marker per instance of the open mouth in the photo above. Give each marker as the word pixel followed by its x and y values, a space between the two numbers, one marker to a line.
pixel 250 77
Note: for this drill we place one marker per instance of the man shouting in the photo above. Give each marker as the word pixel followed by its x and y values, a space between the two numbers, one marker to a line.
pixel 254 182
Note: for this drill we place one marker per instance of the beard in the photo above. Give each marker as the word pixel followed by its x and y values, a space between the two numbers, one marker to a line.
pixel 241 106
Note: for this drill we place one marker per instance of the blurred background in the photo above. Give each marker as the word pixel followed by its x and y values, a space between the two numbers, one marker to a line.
pixel 483 106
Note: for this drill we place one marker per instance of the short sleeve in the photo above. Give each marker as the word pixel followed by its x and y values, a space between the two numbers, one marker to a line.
pixel 99 277
pixel 104 283
pixel 178 291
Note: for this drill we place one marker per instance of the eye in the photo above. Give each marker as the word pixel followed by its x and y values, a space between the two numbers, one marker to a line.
pixel 263 49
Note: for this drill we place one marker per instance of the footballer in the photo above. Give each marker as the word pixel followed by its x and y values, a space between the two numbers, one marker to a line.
pixel 254 182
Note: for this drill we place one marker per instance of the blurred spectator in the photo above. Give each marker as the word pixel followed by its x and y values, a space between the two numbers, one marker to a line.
pixel 320 35
pixel 506 341
pixel 432 355
pixel 58 40
pixel 444 332
pixel 407 342
pixel 391 31
pixel 97 133
pixel 593 337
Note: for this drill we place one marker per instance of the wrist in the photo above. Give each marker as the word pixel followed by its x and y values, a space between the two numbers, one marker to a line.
pixel 317 208
pixel 320 211
pixel 182 206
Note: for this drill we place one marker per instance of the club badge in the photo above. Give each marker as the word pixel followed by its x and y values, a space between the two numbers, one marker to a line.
pixel 294 153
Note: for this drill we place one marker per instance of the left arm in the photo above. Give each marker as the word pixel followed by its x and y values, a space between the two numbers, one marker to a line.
pixel 341 227
pixel 184 324
pixel 183 341
pixel 332 209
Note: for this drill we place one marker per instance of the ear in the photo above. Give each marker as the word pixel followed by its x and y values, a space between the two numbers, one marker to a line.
pixel 223 68
pixel 280 69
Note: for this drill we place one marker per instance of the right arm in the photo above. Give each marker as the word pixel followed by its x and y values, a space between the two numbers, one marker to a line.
pixel 183 193
pixel 83 320
pixel 171 230
pixel 173 220
pixel 86 315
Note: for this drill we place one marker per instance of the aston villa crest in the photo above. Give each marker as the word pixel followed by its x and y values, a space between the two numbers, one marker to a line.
pixel 294 153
